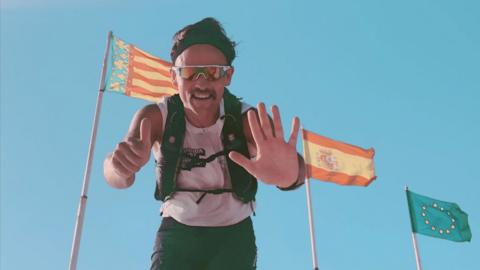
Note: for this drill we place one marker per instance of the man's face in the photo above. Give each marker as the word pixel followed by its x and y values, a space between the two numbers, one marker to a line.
pixel 200 95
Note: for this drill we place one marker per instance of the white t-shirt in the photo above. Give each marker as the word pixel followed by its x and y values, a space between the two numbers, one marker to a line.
pixel 214 209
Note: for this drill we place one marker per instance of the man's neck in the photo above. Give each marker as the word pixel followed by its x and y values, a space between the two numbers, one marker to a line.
pixel 202 119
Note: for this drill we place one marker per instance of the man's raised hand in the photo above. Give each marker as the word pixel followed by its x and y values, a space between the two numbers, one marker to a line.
pixel 131 154
pixel 276 160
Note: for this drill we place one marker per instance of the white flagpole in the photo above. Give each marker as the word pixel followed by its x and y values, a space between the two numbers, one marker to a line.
pixel 417 254
pixel 310 214
pixel 86 177
pixel 414 240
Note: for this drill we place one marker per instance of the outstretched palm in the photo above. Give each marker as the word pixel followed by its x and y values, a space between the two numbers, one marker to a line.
pixel 276 160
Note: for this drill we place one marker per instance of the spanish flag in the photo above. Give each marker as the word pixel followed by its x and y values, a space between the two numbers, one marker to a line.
pixel 337 162
pixel 137 73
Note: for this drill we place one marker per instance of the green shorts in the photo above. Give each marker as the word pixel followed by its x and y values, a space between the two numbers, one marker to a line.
pixel 182 247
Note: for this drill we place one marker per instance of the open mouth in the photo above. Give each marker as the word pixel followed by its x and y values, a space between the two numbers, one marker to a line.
pixel 202 95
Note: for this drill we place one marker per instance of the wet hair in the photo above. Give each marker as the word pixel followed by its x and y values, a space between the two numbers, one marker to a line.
pixel 207 31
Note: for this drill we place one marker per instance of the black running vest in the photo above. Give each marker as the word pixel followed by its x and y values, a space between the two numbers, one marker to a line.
pixel 244 185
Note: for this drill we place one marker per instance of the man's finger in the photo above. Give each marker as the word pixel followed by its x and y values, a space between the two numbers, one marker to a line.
pixel 264 120
pixel 127 148
pixel 139 148
pixel 123 166
pixel 277 122
pixel 242 161
pixel 293 136
pixel 146 132
pixel 255 127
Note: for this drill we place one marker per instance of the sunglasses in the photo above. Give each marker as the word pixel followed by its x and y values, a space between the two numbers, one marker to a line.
pixel 210 72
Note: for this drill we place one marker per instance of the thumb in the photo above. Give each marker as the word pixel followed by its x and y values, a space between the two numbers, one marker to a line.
pixel 242 161
pixel 146 131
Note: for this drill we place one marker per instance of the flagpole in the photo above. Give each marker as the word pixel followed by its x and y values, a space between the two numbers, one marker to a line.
pixel 86 177
pixel 414 240
pixel 310 214
pixel 417 254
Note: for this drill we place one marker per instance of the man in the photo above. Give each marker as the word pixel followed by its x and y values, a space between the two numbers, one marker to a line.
pixel 210 149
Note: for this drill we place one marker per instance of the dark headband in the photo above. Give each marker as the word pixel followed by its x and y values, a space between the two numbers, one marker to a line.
pixel 192 37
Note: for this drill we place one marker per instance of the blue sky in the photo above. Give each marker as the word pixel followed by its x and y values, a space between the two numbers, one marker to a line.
pixel 399 76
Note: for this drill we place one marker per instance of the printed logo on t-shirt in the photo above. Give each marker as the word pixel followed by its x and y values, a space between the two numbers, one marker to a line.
pixel 191 158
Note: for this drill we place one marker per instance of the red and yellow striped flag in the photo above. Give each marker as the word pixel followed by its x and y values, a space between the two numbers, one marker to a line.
pixel 337 162
pixel 137 73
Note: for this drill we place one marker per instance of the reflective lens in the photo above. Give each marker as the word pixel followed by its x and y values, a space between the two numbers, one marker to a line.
pixel 211 73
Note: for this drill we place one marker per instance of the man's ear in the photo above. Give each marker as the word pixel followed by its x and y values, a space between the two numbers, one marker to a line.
pixel 173 75
pixel 228 78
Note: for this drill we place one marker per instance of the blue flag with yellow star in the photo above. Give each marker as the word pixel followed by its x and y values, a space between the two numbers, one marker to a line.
pixel 437 218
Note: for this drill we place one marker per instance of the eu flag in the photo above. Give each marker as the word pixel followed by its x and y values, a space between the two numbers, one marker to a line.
pixel 437 218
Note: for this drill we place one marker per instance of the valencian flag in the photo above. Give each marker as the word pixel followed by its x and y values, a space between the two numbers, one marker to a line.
pixel 137 73
pixel 437 218
pixel 337 162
